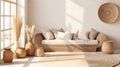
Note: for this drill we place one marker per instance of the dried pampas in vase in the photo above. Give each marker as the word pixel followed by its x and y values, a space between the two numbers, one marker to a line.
pixel 30 47
pixel 17 25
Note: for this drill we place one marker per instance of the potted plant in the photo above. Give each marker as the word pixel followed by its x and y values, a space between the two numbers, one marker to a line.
pixel 30 47
pixel 17 25
pixel 7 55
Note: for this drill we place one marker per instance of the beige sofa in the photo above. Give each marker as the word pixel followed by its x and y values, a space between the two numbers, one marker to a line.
pixel 70 45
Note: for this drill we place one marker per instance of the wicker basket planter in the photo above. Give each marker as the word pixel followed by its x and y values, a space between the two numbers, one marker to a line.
pixel 108 47
pixel 20 52
pixel 7 55
pixel 30 49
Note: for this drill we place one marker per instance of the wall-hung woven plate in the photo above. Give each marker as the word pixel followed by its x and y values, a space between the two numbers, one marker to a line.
pixel 108 12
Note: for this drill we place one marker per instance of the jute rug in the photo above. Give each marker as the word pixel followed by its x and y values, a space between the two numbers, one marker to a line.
pixel 87 60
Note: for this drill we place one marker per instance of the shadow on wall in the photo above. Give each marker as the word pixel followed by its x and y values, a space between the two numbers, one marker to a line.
pixel 78 15
pixel 74 15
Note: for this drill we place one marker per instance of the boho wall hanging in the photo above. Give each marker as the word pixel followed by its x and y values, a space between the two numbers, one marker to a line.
pixel 108 12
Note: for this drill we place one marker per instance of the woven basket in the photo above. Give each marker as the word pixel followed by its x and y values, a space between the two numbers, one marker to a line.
pixel 30 48
pixel 108 12
pixel 7 56
pixel 39 52
pixel 108 47
pixel 20 52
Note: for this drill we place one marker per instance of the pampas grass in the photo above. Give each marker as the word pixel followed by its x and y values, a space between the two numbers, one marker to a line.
pixel 30 47
pixel 17 25
pixel 30 31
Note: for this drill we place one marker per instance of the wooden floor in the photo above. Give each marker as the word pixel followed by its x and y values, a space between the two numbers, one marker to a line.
pixel 34 62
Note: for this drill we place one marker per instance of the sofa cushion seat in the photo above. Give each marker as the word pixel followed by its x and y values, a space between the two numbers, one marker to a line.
pixel 68 42
pixel 69 45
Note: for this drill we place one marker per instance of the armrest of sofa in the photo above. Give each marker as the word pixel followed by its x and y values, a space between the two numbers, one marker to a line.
pixel 101 38
pixel 38 40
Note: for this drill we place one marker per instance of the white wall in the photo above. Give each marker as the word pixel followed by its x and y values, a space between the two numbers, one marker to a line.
pixel 21 11
pixel 71 15
pixel 46 13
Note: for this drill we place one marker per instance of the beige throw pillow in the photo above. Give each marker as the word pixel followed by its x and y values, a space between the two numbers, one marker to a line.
pixel 55 32
pixel 83 36
pixel 48 35
pixel 64 36
pixel 93 34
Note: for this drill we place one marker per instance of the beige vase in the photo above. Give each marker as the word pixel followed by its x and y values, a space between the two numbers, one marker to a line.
pixel 20 52
pixel 30 49
pixel 108 47
pixel 7 56
pixel 39 52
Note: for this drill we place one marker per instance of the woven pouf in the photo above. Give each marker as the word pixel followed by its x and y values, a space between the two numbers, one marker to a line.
pixel 107 47
pixel 39 52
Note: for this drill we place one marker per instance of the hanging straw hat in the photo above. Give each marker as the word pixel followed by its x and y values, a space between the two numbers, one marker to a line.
pixel 108 12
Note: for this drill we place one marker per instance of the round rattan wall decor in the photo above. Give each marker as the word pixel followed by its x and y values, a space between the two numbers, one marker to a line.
pixel 108 12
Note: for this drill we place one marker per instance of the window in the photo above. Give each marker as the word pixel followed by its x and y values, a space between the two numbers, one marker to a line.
pixel 7 11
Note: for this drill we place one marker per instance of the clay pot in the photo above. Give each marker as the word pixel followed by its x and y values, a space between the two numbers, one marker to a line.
pixel 20 52
pixel 107 47
pixel 39 52
pixel 30 49
pixel 7 55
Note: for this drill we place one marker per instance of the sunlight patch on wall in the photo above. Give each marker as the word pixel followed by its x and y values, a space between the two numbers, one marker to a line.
pixel 74 16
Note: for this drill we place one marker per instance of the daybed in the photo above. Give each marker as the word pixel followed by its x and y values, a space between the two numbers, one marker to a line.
pixel 66 45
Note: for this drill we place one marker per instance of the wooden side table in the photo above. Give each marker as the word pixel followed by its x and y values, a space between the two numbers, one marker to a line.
pixel 108 47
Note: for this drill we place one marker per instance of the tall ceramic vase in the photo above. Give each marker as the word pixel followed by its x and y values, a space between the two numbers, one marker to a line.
pixel 7 55
pixel 30 48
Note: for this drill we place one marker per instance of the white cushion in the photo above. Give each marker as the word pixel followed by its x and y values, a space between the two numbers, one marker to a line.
pixel 64 36
pixel 67 42
pixel 55 32
pixel 83 35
